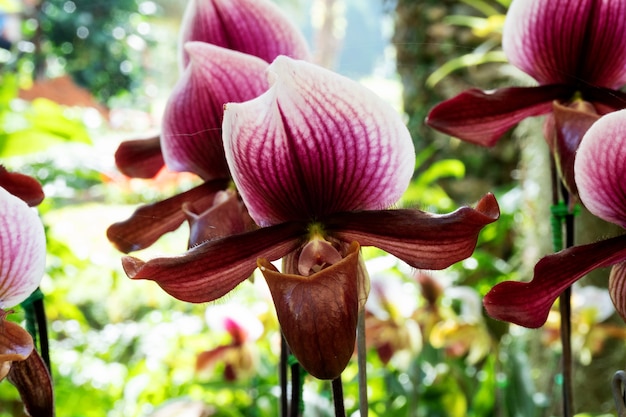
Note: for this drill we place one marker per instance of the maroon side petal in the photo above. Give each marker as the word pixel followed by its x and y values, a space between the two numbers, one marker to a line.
pixel 423 240
pixel 140 158
pixel 209 271
pixel 318 313
pixel 22 186
pixel 482 117
pixel 528 303
pixel 151 221
pixel 605 100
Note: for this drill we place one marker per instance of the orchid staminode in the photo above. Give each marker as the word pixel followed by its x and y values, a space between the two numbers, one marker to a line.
pixel 600 173
pixel 575 50
pixel 317 160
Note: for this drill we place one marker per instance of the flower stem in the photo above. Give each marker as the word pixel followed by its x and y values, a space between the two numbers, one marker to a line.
pixel 284 353
pixel 296 389
pixel 566 328
pixel 340 410
pixel 362 364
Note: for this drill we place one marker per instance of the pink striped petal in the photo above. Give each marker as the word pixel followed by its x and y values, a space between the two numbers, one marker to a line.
pixel 423 240
pixel 212 269
pixel 600 168
pixel 22 250
pixel 191 137
pixel 577 42
pixel 482 117
pixel 315 143
pixel 528 303
pixel 255 27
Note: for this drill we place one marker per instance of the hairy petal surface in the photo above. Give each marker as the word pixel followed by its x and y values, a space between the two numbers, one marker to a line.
pixel 140 158
pixel 528 303
pixel 423 240
pixel 318 313
pixel 22 186
pixel 191 137
pixel 315 143
pixel 22 250
pixel 212 269
pixel 255 27
pixel 482 117
pixel 600 168
pixel 149 222
pixel 568 41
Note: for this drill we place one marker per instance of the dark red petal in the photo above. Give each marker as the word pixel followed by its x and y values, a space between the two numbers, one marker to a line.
pixel 209 271
pixel 22 186
pixel 33 382
pixel 528 303
pixel 605 100
pixel 150 222
pixel 482 117
pixel 140 158
pixel 423 240
pixel 318 313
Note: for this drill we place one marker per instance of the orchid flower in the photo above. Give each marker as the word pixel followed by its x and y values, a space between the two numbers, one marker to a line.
pixel 22 262
pixel 317 159
pixel 600 173
pixel 227 45
pixel 575 50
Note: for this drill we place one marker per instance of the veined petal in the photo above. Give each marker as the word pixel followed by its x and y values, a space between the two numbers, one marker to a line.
pixel 255 27
pixel 140 158
pixel 482 117
pixel 315 143
pixel 22 250
pixel 528 303
pixel 210 270
pixel 568 41
pixel 22 186
pixel 423 240
pixel 617 288
pixel 600 168
pixel 191 138
pixel 318 313
pixel 151 221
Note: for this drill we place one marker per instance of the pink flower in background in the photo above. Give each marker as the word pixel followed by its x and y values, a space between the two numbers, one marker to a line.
pixel 575 50
pixel 317 159
pixel 226 46
pixel 600 172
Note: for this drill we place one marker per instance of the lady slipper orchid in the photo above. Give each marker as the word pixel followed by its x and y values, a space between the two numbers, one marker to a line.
pixel 191 141
pixel 226 45
pixel 600 172
pixel 22 261
pixel 256 28
pixel 575 49
pixel 317 159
